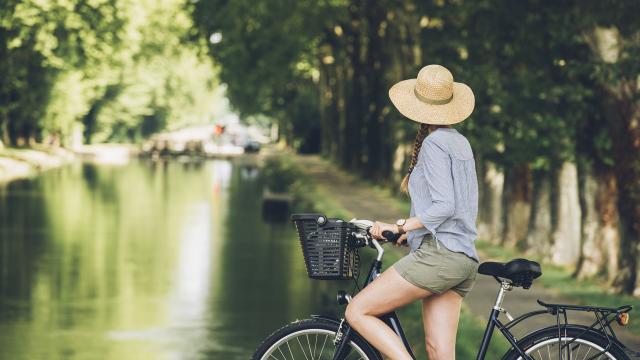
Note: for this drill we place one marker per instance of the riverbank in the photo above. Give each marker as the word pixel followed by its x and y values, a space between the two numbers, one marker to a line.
pixel 339 194
pixel 115 154
pixel 18 163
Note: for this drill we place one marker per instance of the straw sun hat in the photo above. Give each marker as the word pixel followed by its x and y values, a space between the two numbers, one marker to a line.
pixel 433 97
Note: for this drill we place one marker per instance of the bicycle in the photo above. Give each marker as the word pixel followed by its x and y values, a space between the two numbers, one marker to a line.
pixel 330 248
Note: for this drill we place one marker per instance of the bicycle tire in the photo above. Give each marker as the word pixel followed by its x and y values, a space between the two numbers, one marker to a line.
pixel 533 343
pixel 319 327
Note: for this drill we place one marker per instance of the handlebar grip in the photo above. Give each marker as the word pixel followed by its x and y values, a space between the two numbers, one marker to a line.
pixel 391 236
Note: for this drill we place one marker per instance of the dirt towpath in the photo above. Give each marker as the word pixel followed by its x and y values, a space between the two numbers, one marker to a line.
pixel 364 203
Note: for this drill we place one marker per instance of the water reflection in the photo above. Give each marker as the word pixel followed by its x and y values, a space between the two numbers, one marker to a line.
pixel 150 260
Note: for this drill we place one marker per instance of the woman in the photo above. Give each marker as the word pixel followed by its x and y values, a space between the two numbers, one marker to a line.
pixel 441 181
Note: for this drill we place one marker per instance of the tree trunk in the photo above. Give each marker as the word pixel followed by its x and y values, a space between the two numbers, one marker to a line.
pixel 588 221
pixel 624 123
pixel 6 140
pixel 566 235
pixel 327 104
pixel 355 99
pixel 373 88
pixel 341 112
pixel 626 131
pixel 484 205
pixel 538 240
pixel 13 134
pixel 490 183
pixel 600 235
pixel 516 204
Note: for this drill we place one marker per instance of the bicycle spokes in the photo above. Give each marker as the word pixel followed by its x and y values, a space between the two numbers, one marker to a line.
pixel 567 349
pixel 314 344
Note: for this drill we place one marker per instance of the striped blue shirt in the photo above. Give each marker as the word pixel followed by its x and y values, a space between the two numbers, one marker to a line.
pixel 444 192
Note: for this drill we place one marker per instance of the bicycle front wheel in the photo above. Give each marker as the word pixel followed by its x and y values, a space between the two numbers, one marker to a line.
pixel 575 343
pixel 311 339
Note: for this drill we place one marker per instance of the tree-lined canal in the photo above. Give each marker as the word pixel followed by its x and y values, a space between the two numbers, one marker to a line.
pixel 149 260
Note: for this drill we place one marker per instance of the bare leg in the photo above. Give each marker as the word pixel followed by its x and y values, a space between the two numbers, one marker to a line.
pixel 440 314
pixel 387 293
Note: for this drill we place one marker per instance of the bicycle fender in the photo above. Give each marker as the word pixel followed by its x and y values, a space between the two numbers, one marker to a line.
pixel 327 318
pixel 614 342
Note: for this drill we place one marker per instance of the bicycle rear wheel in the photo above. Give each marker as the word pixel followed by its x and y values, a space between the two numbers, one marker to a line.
pixel 546 345
pixel 311 339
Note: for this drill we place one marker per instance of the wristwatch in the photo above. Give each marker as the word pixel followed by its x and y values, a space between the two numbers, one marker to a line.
pixel 400 224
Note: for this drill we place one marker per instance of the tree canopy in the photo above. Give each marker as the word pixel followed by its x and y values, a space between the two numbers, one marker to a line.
pixel 554 81
pixel 114 69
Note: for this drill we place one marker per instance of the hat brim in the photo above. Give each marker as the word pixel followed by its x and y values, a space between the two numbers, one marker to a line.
pixel 458 109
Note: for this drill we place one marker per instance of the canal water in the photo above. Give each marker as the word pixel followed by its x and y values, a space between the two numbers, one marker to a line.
pixel 149 260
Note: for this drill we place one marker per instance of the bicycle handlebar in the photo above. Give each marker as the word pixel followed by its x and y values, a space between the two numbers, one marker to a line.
pixel 365 225
pixel 391 236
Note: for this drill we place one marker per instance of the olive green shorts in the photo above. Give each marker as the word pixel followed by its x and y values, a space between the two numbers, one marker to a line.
pixel 438 269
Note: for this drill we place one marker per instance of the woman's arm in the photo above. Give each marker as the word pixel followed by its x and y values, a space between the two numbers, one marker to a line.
pixel 436 168
pixel 412 223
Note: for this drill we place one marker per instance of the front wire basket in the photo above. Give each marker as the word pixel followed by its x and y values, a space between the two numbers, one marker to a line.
pixel 326 246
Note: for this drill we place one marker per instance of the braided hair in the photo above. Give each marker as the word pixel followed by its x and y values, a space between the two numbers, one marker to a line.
pixel 422 133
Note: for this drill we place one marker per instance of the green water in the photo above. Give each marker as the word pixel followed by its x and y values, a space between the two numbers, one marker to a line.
pixel 149 260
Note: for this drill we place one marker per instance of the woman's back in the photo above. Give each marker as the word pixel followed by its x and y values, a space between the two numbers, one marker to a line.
pixel 444 192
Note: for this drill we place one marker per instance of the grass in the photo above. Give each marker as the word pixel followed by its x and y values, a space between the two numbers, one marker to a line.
pixel 309 198
pixel 399 202
pixel 282 174
pixel 559 279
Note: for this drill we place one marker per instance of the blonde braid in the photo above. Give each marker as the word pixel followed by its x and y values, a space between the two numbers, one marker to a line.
pixel 422 133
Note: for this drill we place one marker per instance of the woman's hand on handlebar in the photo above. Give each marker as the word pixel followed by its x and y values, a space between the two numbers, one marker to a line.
pixel 402 241
pixel 378 227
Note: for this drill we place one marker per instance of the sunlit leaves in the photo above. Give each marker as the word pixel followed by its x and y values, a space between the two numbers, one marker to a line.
pixel 101 63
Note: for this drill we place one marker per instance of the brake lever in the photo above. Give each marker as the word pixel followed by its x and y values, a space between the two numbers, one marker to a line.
pixel 362 224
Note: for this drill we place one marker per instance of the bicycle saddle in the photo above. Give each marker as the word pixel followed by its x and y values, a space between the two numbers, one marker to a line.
pixel 521 272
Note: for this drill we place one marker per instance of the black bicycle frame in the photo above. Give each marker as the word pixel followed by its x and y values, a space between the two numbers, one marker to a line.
pixel 391 319
pixel 494 322
pixel 603 320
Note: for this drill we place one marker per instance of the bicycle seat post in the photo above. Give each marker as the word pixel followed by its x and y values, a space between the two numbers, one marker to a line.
pixel 504 287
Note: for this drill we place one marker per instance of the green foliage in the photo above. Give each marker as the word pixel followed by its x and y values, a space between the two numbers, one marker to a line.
pixel 526 62
pixel 101 67
pixel 40 41
pixel 538 98
pixel 280 173
pixel 284 174
pixel 267 57
pixel 554 81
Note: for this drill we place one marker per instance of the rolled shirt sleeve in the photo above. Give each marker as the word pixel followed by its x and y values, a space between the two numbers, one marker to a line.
pixel 436 165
